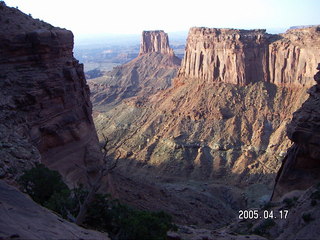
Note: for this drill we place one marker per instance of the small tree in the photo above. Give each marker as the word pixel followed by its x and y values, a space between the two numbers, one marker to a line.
pixel 41 183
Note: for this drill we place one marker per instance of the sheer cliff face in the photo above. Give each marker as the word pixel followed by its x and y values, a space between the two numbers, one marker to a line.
pixel 225 55
pixel 44 95
pixel 247 56
pixel 155 41
pixel 293 58
pixel 301 166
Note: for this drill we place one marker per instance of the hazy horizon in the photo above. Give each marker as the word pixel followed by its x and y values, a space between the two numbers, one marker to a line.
pixel 98 18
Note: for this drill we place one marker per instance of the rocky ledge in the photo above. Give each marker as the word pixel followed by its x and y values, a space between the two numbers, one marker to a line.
pixel 301 166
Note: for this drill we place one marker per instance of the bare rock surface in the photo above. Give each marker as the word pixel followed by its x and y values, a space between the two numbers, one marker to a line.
pixel 230 131
pixel 300 222
pixel 22 218
pixel 44 95
pixel 155 41
pixel 248 56
pixel 226 55
pixel 143 76
pixel 301 165
pixel 152 71
pixel 293 58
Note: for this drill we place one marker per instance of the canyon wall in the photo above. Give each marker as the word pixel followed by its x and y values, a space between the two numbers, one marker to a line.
pixel 248 56
pixel 155 41
pixel 225 55
pixel 300 168
pixel 44 95
pixel 293 57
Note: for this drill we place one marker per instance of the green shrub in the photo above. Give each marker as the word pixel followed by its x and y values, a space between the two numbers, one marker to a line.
pixel 41 183
pixel 127 223
pixel 120 221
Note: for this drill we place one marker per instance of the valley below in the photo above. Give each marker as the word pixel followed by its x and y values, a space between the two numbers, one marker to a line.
pixel 184 139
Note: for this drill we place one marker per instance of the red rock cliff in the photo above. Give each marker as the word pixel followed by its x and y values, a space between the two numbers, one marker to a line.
pixel 155 41
pixel 293 58
pixel 225 55
pixel 246 56
pixel 44 92
pixel 301 166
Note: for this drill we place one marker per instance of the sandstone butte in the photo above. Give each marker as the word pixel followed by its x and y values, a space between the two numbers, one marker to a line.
pixel 151 71
pixel 248 56
pixel 155 41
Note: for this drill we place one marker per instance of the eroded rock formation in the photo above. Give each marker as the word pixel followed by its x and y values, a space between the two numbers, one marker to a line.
pixel 226 55
pixel 248 56
pixel 145 75
pixel 155 41
pixel 293 58
pixel 301 166
pixel 44 95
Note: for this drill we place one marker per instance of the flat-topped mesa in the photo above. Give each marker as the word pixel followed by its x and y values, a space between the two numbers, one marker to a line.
pixel 294 56
pixel 246 56
pixel 226 55
pixel 155 41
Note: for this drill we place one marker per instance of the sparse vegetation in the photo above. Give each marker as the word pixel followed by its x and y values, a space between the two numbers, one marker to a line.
pixel 41 183
pixel 120 221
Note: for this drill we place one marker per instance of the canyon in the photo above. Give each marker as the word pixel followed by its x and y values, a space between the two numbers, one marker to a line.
pixel 221 123
pixel 199 138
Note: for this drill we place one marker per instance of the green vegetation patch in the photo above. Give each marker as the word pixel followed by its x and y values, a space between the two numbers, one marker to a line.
pixel 104 213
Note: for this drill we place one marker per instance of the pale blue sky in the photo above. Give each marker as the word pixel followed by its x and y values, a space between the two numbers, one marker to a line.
pixel 134 16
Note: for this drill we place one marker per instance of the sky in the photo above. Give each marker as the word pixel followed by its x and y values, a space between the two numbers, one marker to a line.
pixel 95 17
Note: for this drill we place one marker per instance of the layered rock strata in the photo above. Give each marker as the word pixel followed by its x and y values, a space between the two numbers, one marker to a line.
pixel 301 166
pixel 225 55
pixel 155 41
pixel 150 72
pixel 248 56
pixel 44 95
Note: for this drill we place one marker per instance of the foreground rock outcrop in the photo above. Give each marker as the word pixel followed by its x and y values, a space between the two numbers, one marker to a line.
pixel 248 56
pixel 301 167
pixel 44 96
pixel 22 218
